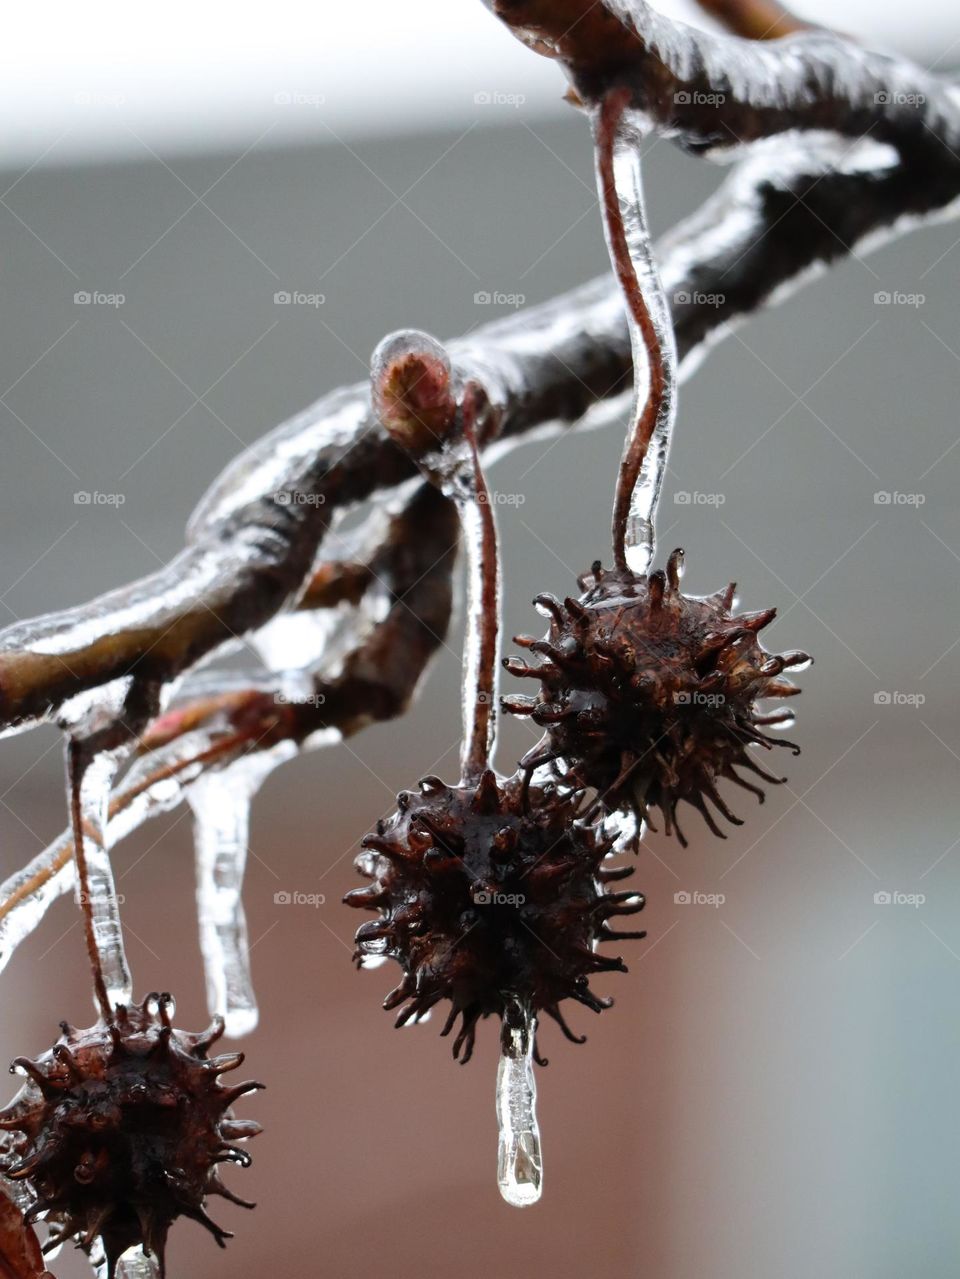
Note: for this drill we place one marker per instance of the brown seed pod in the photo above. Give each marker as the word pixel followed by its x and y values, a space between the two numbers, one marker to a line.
pixel 122 1128
pixel 490 895
pixel 649 696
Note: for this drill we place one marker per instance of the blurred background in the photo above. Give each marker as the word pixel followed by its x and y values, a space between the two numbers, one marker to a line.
pixel 775 1090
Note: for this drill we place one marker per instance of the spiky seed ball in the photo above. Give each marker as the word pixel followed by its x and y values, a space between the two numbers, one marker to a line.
pixel 490 895
pixel 123 1127
pixel 650 696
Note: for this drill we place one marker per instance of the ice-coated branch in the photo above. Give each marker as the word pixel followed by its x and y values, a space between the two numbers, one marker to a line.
pixel 221 730
pixel 716 93
pixel 781 217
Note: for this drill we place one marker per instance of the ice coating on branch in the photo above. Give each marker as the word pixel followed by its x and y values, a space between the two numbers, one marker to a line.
pixel 93 779
pixel 221 808
pixel 30 904
pixel 135 802
pixel 652 341
pixel 519 1160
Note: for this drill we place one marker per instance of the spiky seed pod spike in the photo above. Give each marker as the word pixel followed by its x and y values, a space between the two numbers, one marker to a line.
pixel 649 696
pixel 123 1128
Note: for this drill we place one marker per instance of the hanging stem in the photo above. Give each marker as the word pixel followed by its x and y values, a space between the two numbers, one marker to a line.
pixel 641 474
pixel 77 764
pixel 481 666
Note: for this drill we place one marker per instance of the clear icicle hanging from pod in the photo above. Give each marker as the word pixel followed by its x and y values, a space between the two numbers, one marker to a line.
pixel 492 893
pixel 648 696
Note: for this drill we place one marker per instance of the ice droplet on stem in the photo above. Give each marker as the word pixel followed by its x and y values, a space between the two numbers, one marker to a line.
pixel 519 1161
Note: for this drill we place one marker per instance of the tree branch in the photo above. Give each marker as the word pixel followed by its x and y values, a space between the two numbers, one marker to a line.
pixel 782 215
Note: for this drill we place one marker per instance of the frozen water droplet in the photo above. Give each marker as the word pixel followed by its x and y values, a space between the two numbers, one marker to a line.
pixel 519 1161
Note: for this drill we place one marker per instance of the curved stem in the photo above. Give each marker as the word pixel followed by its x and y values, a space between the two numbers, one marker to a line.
pixel 635 501
pixel 482 642
pixel 77 763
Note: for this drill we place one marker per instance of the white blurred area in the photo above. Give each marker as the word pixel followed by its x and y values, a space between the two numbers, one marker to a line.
pixel 106 81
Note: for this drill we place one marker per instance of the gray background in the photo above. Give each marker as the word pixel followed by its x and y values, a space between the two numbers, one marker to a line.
pixel 775 1091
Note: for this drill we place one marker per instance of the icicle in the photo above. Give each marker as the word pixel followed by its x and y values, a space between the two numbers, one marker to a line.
pixel 644 462
pixel 221 809
pixel 519 1162
pixel 137 1264
pixel 92 778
